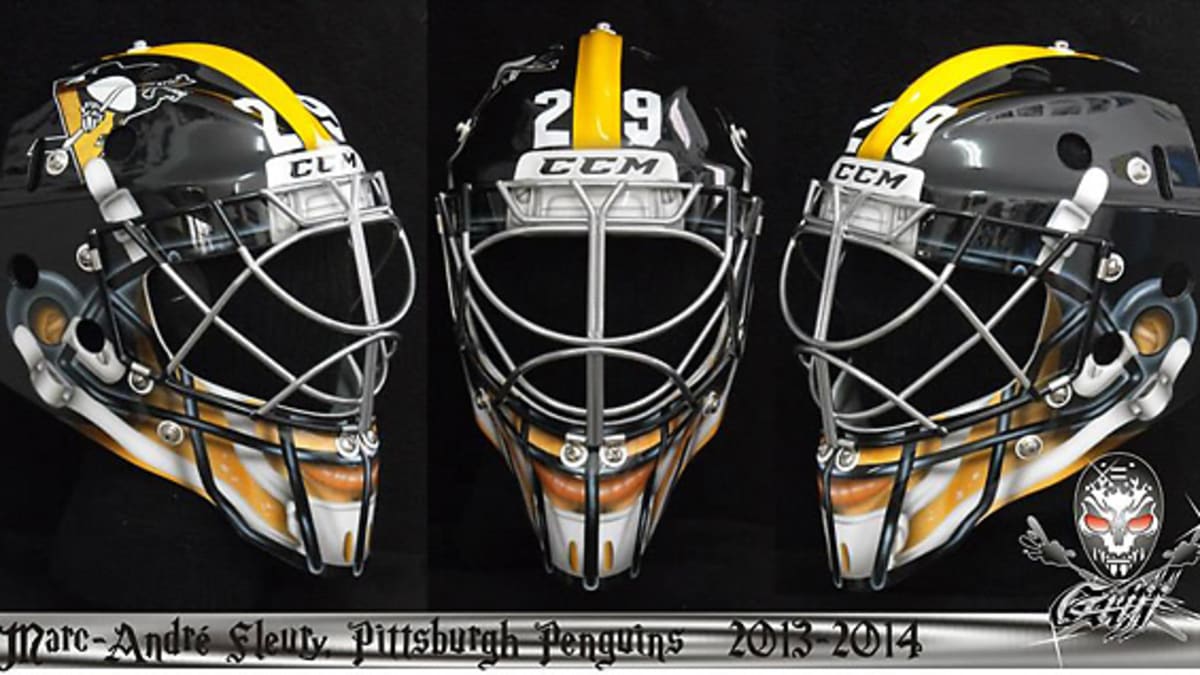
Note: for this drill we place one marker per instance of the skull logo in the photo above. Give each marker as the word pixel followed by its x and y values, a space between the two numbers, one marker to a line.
pixel 1118 512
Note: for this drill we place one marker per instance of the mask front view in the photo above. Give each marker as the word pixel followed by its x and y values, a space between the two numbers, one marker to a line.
pixel 994 285
pixel 207 281
pixel 598 246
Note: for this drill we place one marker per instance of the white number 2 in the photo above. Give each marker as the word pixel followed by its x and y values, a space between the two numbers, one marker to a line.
pixel 856 139
pixel 557 102
pixel 644 107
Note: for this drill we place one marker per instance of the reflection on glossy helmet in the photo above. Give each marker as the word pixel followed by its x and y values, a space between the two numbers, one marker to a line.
pixel 998 289
pixel 598 252
pixel 194 252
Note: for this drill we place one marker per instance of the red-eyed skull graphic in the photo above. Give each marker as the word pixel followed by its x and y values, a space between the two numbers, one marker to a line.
pixel 1118 512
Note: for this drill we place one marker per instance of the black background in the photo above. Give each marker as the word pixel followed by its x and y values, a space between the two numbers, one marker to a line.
pixel 742 529
pixel 81 528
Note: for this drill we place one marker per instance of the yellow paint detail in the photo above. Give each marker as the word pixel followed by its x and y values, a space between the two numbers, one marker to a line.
pixel 348 547
pixel 573 556
pixel 608 555
pixel 89 144
pixel 597 100
pixel 259 79
pixel 944 78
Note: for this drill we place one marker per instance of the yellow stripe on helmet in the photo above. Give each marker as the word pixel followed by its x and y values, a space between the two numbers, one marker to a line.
pixel 597 100
pixel 259 79
pixel 944 78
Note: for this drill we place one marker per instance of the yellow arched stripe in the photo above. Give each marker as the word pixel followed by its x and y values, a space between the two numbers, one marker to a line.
pixel 597 100
pixel 256 77
pixel 944 78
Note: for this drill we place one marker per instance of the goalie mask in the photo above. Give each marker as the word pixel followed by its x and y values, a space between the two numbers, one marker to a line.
pixel 194 253
pixel 993 286
pixel 598 244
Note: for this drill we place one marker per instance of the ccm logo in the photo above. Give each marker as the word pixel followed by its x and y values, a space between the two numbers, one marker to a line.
pixel 598 166
pixel 324 164
pixel 872 176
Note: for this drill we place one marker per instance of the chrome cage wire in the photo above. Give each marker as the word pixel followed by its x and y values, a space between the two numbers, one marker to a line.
pixel 1080 323
pixel 375 339
pixel 507 381
pixel 680 381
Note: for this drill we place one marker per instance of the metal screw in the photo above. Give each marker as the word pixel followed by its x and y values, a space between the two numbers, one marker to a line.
pixel 347 445
pixel 1028 447
pixel 57 161
pixel 1138 170
pixel 614 456
pixel 573 455
pixel 140 383
pixel 481 399
pixel 170 432
pixel 847 459
pixel 824 452
pixel 1059 397
pixel 370 441
pixel 1112 267
pixel 86 258
pixel 712 403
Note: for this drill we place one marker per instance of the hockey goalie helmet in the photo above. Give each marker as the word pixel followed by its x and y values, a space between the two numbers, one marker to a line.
pixel 598 234
pixel 194 255
pixel 993 286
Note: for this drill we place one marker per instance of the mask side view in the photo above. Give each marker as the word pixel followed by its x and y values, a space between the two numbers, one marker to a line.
pixel 993 286
pixel 206 280
pixel 598 249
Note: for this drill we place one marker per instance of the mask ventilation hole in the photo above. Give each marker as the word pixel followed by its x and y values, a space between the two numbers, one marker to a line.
pixel 1107 348
pixel 573 556
pixel 48 321
pixel 1074 151
pixel 1152 331
pixel 1176 280
pixel 1163 173
pixel 23 271
pixel 90 335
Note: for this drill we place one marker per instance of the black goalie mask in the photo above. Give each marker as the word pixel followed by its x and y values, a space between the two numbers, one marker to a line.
pixel 993 286
pixel 599 284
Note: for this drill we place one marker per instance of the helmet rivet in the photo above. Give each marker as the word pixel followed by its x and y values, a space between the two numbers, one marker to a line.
pixel 1138 170
pixel 1062 45
pixel 57 161
pixel 86 258
pixel 140 382
pixel 370 440
pixel 139 45
pixel 847 459
pixel 712 403
pixel 824 452
pixel 1112 267
pixel 347 445
pixel 614 455
pixel 1028 447
pixel 1059 396
pixel 573 455
pixel 170 432
pixel 481 399
pixel 605 26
